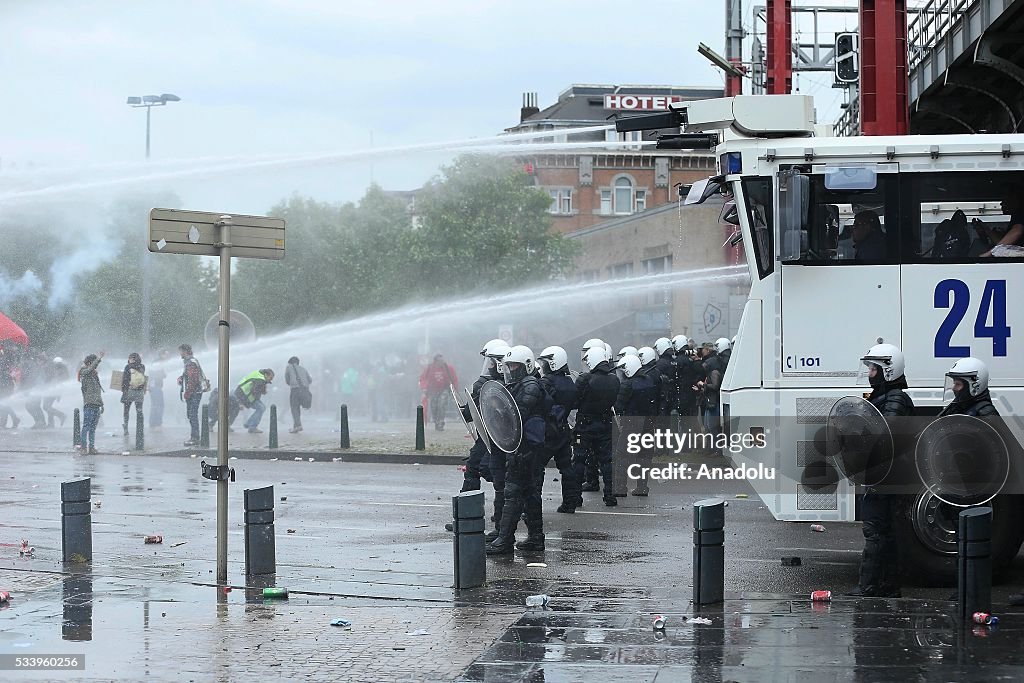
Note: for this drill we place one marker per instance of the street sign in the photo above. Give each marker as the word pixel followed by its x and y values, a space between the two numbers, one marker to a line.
pixel 172 231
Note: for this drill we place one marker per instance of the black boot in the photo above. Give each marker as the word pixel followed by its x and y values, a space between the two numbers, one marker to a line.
pixel 610 501
pixel 535 540
pixel 504 544
pixel 567 507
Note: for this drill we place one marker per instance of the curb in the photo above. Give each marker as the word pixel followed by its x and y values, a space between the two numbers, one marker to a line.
pixel 319 456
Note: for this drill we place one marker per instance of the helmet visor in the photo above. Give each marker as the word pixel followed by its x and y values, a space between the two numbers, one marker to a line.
pixel 956 388
pixel 871 372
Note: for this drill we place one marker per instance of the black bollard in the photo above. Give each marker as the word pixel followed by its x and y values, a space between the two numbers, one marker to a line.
pixel 345 441
pixel 140 434
pixel 468 541
pixel 421 437
pixel 77 427
pixel 974 561
pixel 76 520
pixel 260 550
pixel 708 551
pixel 204 427
pixel 273 426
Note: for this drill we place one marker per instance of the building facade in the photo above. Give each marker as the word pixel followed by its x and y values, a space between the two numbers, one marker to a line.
pixel 590 187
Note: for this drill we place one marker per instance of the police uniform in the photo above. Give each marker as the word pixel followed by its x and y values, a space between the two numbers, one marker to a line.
pixel 477 466
pixel 558 438
pixel 640 400
pixel 879 566
pixel 598 391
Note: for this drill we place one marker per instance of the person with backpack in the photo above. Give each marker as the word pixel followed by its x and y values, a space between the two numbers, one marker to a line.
pixel 299 380
pixel 434 382
pixel 133 387
pixel 193 384
pixel 92 400
pixel 249 391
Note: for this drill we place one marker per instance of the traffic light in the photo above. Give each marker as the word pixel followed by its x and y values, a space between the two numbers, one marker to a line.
pixel 847 58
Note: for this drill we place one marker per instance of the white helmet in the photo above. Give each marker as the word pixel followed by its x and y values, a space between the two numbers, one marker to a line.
pixel 589 344
pixel 630 365
pixel 496 348
pixel 890 359
pixel 58 359
pixel 522 355
pixel 722 344
pixel 608 349
pixel 646 355
pixel 594 357
pixel 552 359
pixel 625 351
pixel 662 344
pixel 973 372
pixel 680 342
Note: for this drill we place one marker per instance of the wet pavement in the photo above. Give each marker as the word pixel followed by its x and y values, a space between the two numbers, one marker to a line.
pixel 367 544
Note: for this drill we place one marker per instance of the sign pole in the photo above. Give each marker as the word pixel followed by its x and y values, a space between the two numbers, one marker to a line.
pixel 223 381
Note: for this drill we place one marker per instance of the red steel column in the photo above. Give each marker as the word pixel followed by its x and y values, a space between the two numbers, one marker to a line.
pixel 779 71
pixel 883 67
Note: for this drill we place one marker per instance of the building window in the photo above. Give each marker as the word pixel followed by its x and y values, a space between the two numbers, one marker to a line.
pixel 620 270
pixel 623 195
pixel 657 266
pixel 641 200
pixel 606 202
pixel 589 276
pixel 633 136
pixel 561 201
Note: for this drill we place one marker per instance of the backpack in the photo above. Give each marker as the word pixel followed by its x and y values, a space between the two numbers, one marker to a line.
pixel 136 380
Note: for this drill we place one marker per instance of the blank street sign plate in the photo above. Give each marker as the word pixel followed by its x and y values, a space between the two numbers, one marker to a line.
pixel 195 232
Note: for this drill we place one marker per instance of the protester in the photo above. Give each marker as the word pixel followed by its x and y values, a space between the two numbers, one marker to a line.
pixel 434 382
pixel 249 391
pixel 92 400
pixel 55 373
pixel 133 387
pixel 193 384
pixel 296 377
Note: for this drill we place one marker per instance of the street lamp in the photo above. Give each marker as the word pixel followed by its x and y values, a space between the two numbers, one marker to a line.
pixel 150 101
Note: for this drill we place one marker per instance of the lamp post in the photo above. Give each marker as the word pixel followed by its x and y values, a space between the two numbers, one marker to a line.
pixel 148 101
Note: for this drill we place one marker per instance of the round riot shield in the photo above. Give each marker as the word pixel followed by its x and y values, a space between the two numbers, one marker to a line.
pixel 962 460
pixel 859 441
pixel 460 405
pixel 501 416
pixel 478 421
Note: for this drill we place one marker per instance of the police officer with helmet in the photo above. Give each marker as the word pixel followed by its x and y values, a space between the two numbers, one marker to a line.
pixel 598 390
pixel 520 477
pixel 554 366
pixel 879 566
pixel 968 379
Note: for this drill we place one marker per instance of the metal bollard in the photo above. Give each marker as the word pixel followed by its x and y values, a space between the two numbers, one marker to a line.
pixel 76 622
pixel 273 426
pixel 345 440
pixel 77 428
pixel 204 427
pixel 76 520
pixel 974 561
pixel 260 550
pixel 468 540
pixel 708 551
pixel 421 437
pixel 140 434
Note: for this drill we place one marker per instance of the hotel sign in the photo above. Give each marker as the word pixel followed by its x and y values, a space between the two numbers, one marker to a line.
pixel 640 102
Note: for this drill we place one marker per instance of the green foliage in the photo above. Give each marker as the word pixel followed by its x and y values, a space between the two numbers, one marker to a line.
pixel 480 226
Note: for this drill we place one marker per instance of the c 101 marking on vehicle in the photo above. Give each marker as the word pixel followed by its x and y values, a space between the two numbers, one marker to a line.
pixel 796 362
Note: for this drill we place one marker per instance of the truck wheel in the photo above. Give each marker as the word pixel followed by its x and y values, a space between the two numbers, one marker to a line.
pixel 925 530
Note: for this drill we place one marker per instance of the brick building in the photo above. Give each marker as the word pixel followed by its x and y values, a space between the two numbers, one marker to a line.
pixel 587 188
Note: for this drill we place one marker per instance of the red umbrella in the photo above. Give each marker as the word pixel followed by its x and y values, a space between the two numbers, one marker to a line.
pixel 9 331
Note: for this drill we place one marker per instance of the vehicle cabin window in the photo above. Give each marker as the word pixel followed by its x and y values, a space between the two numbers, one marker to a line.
pixel 963 217
pixel 757 195
pixel 838 226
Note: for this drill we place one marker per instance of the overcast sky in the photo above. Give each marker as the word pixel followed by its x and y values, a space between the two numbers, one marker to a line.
pixel 299 76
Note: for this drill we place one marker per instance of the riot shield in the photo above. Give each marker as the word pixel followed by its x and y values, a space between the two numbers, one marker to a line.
pixel 962 460
pixel 501 418
pixel 859 441
pixel 478 421
pixel 470 427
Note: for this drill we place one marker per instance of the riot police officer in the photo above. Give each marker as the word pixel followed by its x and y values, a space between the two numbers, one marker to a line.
pixel 598 390
pixel 687 375
pixel 638 400
pixel 492 350
pixel 555 379
pixel 667 370
pixel 879 566
pixel 969 381
pixel 520 477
